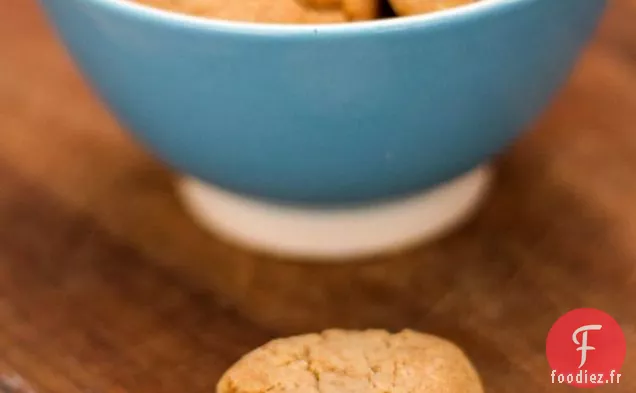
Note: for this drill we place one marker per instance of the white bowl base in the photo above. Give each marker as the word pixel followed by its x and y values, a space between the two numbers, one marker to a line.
pixel 335 234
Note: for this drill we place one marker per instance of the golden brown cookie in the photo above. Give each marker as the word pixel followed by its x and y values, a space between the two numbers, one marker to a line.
pixel 337 361
pixel 413 7
pixel 355 10
pixel 361 9
pixel 273 11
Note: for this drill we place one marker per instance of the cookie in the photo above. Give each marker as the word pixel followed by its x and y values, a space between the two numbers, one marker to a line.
pixel 414 7
pixel 355 10
pixel 273 11
pixel 338 361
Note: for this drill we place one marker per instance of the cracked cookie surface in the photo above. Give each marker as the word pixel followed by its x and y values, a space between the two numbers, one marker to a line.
pixel 414 7
pixel 338 361
pixel 273 11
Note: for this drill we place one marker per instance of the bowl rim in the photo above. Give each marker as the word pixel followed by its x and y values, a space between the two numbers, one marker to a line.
pixel 149 14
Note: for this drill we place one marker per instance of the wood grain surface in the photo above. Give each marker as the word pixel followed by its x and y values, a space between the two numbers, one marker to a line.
pixel 106 286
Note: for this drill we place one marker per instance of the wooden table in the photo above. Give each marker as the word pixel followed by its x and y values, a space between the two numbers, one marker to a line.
pixel 106 286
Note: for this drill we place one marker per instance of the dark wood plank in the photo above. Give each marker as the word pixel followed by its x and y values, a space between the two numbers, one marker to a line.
pixel 106 286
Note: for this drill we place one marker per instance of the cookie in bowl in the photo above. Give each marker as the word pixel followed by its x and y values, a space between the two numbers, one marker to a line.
pixel 353 9
pixel 274 11
pixel 414 7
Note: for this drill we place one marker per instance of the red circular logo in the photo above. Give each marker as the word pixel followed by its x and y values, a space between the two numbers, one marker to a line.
pixel 586 348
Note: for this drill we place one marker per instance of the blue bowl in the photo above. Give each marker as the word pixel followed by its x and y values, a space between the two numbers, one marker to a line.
pixel 327 114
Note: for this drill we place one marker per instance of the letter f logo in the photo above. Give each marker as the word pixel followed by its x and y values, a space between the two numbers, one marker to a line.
pixel 584 348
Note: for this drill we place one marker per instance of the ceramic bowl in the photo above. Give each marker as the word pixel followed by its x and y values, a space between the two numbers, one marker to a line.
pixel 328 140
